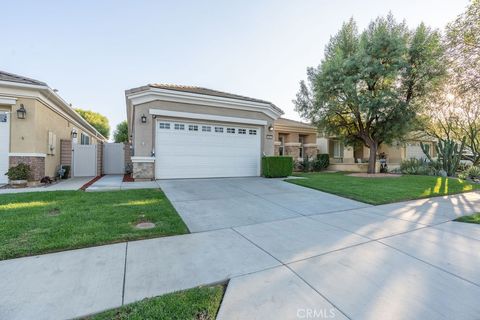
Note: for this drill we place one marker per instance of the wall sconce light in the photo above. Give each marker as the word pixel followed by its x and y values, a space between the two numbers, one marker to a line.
pixel 21 112
pixel 143 118
pixel 270 128
pixel 74 134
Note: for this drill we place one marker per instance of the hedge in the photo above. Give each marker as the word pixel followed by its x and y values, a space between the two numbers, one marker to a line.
pixel 277 167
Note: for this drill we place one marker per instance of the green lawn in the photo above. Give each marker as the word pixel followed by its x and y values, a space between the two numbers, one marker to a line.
pixel 474 218
pixel 196 304
pixel 40 222
pixel 383 190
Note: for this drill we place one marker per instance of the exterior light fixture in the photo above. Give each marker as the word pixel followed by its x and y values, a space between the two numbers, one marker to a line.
pixel 74 134
pixel 270 128
pixel 21 112
pixel 143 118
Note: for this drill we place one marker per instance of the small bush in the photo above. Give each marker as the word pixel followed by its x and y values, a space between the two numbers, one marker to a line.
pixel 21 171
pixel 419 167
pixel 470 173
pixel 277 167
pixel 322 162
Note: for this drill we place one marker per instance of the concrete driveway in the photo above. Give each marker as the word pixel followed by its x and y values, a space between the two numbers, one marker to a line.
pixel 211 204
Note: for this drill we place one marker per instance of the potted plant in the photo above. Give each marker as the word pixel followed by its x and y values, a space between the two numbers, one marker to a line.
pixel 19 175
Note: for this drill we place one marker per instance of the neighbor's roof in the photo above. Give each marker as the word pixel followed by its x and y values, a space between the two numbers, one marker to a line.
pixel 293 123
pixel 10 77
pixel 199 90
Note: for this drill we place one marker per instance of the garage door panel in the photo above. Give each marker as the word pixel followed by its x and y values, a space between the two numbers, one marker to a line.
pixel 197 154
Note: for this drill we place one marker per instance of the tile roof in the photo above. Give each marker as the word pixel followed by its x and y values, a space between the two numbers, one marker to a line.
pixel 10 77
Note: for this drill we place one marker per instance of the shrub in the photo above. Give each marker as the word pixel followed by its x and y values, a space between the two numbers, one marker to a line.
pixel 21 171
pixel 322 162
pixel 471 172
pixel 277 166
pixel 419 167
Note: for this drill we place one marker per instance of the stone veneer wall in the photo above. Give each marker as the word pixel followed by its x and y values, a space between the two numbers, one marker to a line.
pixel 128 155
pixel 143 170
pixel 311 152
pixel 37 164
pixel 66 154
pixel 99 158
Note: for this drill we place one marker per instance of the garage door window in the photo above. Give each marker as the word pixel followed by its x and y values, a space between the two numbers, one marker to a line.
pixel 206 128
pixel 179 126
pixel 242 131
pixel 230 130
pixel 164 125
pixel 252 132
pixel 192 127
pixel 219 129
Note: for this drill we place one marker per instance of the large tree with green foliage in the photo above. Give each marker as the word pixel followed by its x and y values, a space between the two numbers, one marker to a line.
pixel 121 132
pixel 97 120
pixel 367 87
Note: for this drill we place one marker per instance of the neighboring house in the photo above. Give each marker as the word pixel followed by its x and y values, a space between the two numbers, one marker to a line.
pixel 33 122
pixel 296 139
pixel 355 159
pixel 193 132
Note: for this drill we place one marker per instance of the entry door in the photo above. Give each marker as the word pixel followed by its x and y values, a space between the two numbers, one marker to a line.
pixel 202 150
pixel 4 145
pixel 84 160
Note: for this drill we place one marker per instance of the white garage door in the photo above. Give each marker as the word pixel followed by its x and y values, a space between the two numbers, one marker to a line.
pixel 199 150
pixel 414 150
pixel 4 145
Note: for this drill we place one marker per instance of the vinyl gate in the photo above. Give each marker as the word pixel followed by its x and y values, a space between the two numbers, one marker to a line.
pixel 114 158
pixel 84 160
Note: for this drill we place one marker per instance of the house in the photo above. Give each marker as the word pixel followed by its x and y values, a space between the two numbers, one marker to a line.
pixel 355 158
pixel 36 126
pixel 193 132
pixel 294 138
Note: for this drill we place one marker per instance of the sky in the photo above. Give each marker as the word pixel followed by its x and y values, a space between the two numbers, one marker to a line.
pixel 92 51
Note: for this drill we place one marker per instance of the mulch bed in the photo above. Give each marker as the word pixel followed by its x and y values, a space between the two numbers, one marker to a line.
pixel 128 178
pixel 374 175
pixel 89 183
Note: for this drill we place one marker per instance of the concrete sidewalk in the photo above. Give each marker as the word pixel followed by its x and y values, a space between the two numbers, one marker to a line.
pixel 113 182
pixel 383 262
pixel 64 185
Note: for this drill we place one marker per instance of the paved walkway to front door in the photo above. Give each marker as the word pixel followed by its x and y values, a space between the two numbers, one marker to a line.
pixel 397 261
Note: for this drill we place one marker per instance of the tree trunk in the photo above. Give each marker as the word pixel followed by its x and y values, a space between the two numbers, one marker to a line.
pixel 373 158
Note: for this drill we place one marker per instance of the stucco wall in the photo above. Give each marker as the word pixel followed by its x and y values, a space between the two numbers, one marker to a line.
pixel 143 141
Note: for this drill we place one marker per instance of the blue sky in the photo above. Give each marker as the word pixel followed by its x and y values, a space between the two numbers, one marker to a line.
pixel 91 51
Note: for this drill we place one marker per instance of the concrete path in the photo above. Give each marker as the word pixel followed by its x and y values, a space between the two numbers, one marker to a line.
pixel 211 204
pixel 397 261
pixel 64 185
pixel 114 182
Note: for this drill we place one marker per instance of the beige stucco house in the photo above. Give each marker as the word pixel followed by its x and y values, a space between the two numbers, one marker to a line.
pixel 34 120
pixel 192 132
pixel 355 159
pixel 296 139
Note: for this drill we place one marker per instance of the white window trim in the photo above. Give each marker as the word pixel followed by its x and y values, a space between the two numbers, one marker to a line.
pixel 143 159
pixel 199 116
pixel 8 100
pixel 27 154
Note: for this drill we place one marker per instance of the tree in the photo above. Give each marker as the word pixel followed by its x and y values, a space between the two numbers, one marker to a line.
pixel 96 120
pixel 121 132
pixel 463 41
pixel 367 87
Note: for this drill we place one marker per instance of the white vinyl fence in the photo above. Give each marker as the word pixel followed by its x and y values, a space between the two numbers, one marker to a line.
pixel 113 158
pixel 84 160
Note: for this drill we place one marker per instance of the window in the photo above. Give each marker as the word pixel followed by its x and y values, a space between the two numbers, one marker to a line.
pixel 281 148
pixel 219 129
pixel 337 149
pixel 301 139
pixel 252 132
pixel 192 127
pixel 230 130
pixel 242 131
pixel 179 126
pixel 84 139
pixel 164 125
pixel 206 128
pixel 3 117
